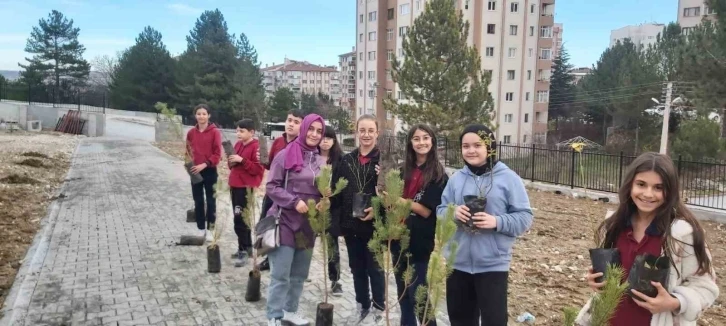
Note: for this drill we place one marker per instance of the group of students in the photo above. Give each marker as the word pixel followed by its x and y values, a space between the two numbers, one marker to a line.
pixel 651 218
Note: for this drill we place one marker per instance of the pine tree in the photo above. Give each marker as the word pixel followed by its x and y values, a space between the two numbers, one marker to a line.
pixel 562 87
pixel 144 75
pixel 57 53
pixel 249 101
pixel 282 101
pixel 440 74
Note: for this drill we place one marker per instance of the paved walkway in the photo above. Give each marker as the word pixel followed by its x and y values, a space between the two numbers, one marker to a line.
pixel 107 252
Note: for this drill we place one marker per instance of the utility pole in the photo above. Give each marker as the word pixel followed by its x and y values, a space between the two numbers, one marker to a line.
pixel 666 118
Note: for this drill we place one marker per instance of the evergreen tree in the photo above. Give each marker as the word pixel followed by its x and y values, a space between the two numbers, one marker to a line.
pixel 57 53
pixel 208 68
pixel 144 75
pixel 562 87
pixel 308 103
pixel 440 74
pixel 249 100
pixel 282 101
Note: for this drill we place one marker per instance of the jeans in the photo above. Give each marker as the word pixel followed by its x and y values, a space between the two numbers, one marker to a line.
pixel 408 299
pixel 471 297
pixel 289 269
pixel 198 192
pixel 241 228
pixel 364 268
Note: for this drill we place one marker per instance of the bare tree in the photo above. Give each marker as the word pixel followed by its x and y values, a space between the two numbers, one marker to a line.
pixel 103 67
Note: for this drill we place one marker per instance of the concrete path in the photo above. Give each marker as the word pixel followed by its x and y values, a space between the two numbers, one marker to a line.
pixel 106 254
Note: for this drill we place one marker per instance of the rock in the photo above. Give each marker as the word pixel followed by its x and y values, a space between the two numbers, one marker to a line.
pixel 545 266
pixel 557 268
pixel 580 257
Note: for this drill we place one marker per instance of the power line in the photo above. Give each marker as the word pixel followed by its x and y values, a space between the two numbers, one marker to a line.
pixel 607 98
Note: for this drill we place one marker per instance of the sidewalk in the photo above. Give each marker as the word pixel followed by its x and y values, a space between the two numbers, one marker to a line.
pixel 107 252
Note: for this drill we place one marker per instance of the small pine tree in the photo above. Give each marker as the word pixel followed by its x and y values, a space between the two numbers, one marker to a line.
pixel 224 203
pixel 603 305
pixel 176 127
pixel 251 212
pixel 389 229
pixel 320 218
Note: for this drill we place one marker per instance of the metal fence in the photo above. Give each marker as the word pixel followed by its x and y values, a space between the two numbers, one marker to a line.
pixel 84 99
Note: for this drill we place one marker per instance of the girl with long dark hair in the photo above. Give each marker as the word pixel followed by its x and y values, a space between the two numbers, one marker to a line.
pixel 332 153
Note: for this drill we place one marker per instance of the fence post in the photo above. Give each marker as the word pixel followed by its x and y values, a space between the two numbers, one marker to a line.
pixel 620 172
pixel 680 162
pixel 533 147
pixel 572 170
pixel 446 151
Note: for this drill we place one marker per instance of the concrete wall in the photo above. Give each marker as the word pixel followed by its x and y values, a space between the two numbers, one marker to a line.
pixel 151 115
pixel 48 115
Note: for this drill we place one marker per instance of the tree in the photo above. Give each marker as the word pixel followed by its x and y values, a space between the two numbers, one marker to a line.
pixel 249 96
pixel 562 87
pixel 58 54
pixel 340 120
pixel 308 103
pixel 440 74
pixel 697 139
pixel 667 52
pixel 105 67
pixel 282 101
pixel 144 75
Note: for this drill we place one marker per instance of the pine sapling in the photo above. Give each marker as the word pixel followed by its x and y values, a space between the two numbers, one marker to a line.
pixel 224 203
pixel 429 297
pixel 570 314
pixel 250 212
pixel 604 303
pixel 176 127
pixel 391 228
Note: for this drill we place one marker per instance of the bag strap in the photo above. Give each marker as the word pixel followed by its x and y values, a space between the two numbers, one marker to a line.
pixel 279 209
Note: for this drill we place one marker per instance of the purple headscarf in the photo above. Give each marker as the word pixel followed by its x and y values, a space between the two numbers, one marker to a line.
pixel 294 155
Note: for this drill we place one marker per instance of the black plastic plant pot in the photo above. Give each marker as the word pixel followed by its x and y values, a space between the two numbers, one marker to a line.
pixel 601 258
pixel 214 260
pixel 190 240
pixel 475 204
pixel 324 315
pixel 191 217
pixel 228 148
pixel 360 203
pixel 253 287
pixel 648 268
pixel 196 178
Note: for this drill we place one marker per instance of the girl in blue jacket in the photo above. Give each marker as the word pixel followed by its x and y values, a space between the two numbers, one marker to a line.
pixel 477 289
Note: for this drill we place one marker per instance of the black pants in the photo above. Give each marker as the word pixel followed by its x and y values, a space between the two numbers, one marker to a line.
pixel 334 263
pixel 199 191
pixel 407 294
pixel 241 226
pixel 365 269
pixel 471 296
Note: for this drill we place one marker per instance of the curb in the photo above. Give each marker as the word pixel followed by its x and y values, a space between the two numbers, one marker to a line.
pixel 17 302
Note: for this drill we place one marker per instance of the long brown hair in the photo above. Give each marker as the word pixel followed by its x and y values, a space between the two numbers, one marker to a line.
pixel 432 170
pixel 665 215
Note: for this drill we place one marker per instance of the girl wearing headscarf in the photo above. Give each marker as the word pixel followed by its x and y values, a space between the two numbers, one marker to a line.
pixel 299 163
pixel 477 289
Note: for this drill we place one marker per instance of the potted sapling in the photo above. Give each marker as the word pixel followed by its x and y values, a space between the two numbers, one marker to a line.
pixel 253 282
pixel 601 258
pixel 478 203
pixel 389 147
pixel 430 296
pixel 361 201
pixel 319 217
pixel 178 131
pixel 648 268
pixel 214 258
pixel 604 303
pixel 388 229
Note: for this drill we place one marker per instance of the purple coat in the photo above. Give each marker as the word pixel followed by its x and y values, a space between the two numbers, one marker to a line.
pixel 295 230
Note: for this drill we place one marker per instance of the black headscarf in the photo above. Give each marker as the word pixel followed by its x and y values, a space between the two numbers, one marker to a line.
pixel 492 159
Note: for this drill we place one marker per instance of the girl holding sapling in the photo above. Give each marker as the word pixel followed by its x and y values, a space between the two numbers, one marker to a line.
pixel 424 181
pixel 205 144
pixel 359 167
pixel 477 288
pixel 652 220
pixel 332 153
pixel 290 184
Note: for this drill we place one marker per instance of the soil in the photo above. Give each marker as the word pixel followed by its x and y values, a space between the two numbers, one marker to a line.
pixel 24 199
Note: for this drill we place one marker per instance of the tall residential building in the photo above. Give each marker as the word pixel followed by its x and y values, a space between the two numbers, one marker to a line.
pixel 348 72
pixel 692 12
pixel 641 35
pixel 515 40
pixel 579 73
pixel 302 77
pixel 557 40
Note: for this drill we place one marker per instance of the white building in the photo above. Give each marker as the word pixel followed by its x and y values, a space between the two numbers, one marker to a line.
pixel 347 64
pixel 302 77
pixel 641 35
pixel 692 12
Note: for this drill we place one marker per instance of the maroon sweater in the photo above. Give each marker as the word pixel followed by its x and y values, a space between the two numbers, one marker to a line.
pixel 247 174
pixel 279 144
pixel 205 146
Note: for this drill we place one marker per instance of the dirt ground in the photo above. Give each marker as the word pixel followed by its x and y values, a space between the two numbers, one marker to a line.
pixel 32 168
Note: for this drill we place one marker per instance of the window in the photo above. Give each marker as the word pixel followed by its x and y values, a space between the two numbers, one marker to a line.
pixel 389 52
pixel 686 30
pixel 491 28
pixel 371 94
pixel 537 116
pixel 509 96
pixel 388 75
pixel 508 118
pixel 545 32
pixel 691 12
pixel 391 13
pixel 489 51
pixel 512 29
pixel 371 74
pixel 530 51
pixel 360 56
pixel 708 11
pixel 545 54
pixel 361 18
pixel 507 139
pixel 372 16
pixel 510 74
pixel 492 5
pixel 405 9
pixel 531 30
pixel 544 74
pixel 542 97
pixel 400 95
pixel 524 139
pixel 360 37
pixel 526 118
pixel 526 98
pixel 531 9
pixel 372 36
pixel 514 7
pixel 360 91
pixel 529 74
pixel 400 52
pixel 389 34
pixel 389 93
pixel 512 52
pixel 418 4
pixel 371 55
pixel 402 31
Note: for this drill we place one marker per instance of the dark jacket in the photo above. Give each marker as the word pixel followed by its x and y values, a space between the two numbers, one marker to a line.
pixel 423 228
pixel 342 204
pixel 334 229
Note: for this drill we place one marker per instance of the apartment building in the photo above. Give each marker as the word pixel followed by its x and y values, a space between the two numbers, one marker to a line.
pixel 347 64
pixel 641 35
pixel 302 77
pixel 516 41
pixel 557 40
pixel 692 12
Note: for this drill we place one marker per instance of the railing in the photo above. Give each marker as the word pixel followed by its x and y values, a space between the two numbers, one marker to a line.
pixel 74 98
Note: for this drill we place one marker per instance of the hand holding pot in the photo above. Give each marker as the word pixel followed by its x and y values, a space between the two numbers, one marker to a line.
pixel 483 220
pixel 590 277
pixel 369 214
pixel 235 158
pixel 301 207
pixel 462 213
pixel 198 168
pixel 663 302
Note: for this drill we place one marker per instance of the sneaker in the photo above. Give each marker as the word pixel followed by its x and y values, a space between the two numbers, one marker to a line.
pixel 241 259
pixel 274 322
pixel 295 318
pixel 374 318
pixel 264 265
pixel 202 233
pixel 336 289
pixel 235 255
pixel 360 313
